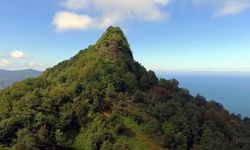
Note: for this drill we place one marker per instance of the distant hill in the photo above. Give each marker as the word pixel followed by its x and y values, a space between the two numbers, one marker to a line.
pixel 102 99
pixel 9 77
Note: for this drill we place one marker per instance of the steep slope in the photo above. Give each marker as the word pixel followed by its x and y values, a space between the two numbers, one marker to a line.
pixel 103 99
pixel 9 77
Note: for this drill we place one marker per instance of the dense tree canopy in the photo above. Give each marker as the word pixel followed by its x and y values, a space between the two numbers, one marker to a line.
pixel 103 99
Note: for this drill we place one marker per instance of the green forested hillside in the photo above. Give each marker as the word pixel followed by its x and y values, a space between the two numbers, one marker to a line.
pixel 103 99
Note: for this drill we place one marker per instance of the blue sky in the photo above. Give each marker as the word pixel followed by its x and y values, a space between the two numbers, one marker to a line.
pixel 165 35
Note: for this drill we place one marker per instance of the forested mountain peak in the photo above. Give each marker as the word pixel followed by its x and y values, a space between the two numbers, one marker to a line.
pixel 102 99
pixel 111 51
pixel 114 44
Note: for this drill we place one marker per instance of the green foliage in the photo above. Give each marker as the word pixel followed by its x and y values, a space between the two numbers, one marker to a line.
pixel 25 141
pixel 60 137
pixel 148 80
pixel 151 127
pixel 168 128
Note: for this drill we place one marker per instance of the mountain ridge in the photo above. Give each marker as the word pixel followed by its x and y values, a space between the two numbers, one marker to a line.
pixel 8 77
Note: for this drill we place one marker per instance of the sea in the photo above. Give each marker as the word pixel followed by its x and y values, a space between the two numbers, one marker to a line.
pixel 231 90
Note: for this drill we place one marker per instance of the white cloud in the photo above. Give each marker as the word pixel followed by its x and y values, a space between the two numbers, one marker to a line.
pixel 225 7
pixel 69 21
pixel 95 14
pixel 76 4
pixel 4 63
pixel 232 7
pixel 33 64
pixel 17 54
pixel 108 12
